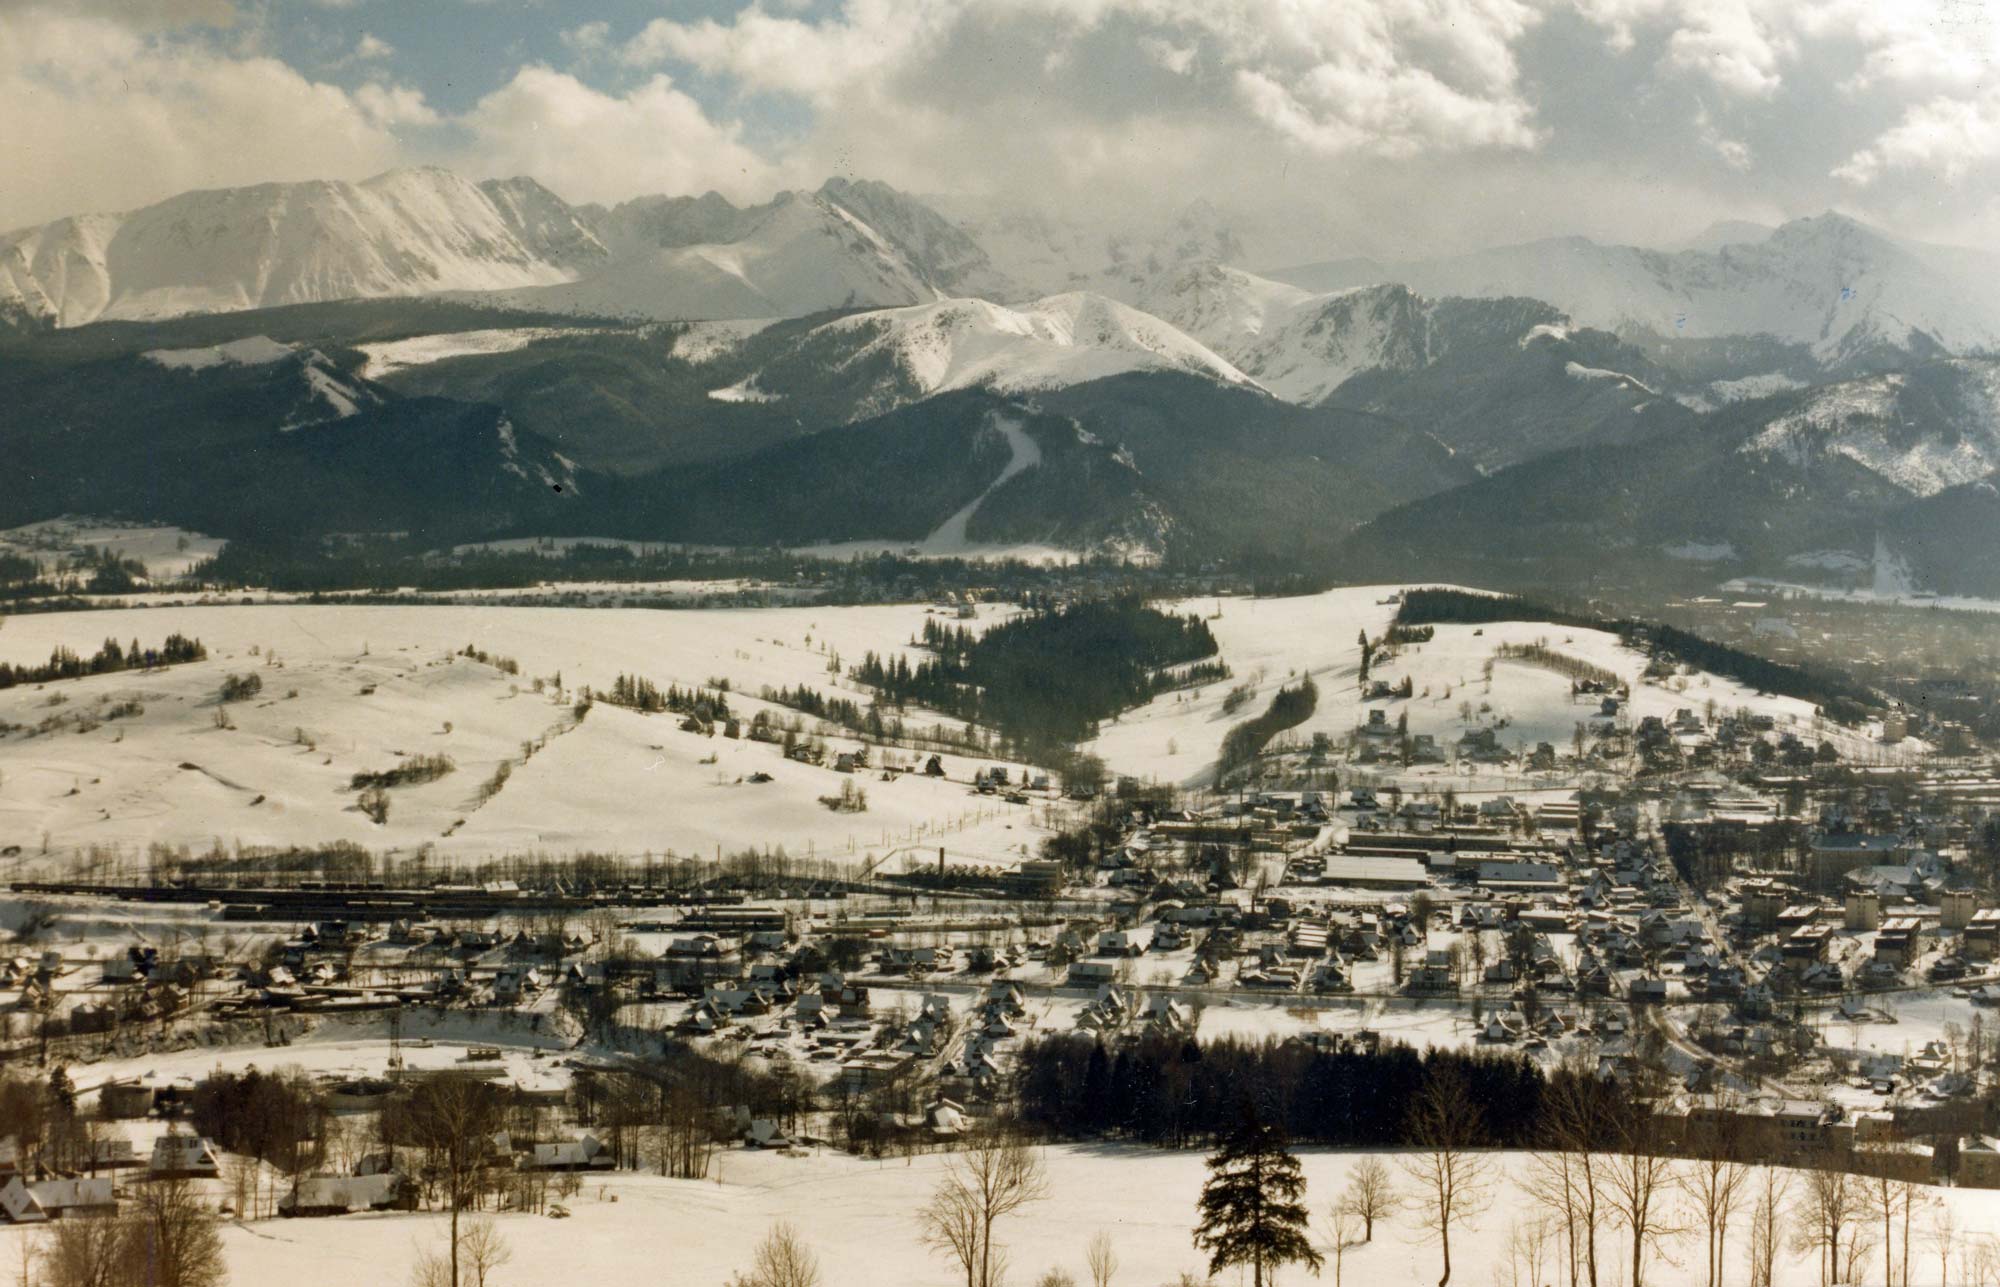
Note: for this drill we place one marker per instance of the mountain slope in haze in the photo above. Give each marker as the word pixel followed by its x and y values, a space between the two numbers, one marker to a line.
pixel 406 232
pixel 1041 252
pixel 851 244
pixel 253 438
pixel 1771 486
pixel 1500 380
pixel 1855 297
pixel 1930 428
pixel 1145 463
pixel 628 399
pixel 1946 539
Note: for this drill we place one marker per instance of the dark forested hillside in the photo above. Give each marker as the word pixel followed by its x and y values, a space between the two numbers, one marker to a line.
pixel 1046 678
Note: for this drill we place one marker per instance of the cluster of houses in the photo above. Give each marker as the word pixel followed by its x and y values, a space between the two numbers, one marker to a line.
pixel 36 1199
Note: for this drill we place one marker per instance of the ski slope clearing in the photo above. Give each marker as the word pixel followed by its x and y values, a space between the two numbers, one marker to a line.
pixel 1269 643
pixel 347 690
pixel 950 541
pixel 253 350
pixel 422 350
pixel 859 1217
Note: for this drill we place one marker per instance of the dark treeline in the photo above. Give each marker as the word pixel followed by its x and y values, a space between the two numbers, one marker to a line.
pixel 276 1117
pixel 113 656
pixel 90 570
pixel 1047 678
pixel 307 564
pixel 1289 708
pixel 1184 1093
pixel 640 694
pixel 1840 698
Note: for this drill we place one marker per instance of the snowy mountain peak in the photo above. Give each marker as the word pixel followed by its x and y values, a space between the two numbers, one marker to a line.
pixel 404 232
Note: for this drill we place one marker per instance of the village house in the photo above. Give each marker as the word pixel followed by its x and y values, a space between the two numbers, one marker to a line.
pixel 332 1195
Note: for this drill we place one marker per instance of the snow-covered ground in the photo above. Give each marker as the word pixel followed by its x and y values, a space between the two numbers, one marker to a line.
pixel 167 552
pixel 392 356
pixel 253 350
pixel 355 689
pixel 859 1217
pixel 1269 643
pixel 1860 594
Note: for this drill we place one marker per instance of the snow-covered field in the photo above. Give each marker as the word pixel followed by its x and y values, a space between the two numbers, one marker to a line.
pixel 354 689
pixel 859 1217
pixel 167 552
pixel 1270 643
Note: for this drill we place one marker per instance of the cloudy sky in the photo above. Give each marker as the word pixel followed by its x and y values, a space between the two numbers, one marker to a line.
pixel 1322 127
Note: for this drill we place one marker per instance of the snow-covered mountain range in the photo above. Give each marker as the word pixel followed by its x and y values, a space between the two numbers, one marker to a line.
pixel 1830 283
pixel 1819 368
pixel 1841 290
pixel 407 232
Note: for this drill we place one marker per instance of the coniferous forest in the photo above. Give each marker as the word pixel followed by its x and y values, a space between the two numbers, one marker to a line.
pixel 1181 1092
pixel 1046 678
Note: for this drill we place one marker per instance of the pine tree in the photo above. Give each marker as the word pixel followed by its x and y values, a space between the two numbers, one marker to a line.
pixel 1253 1206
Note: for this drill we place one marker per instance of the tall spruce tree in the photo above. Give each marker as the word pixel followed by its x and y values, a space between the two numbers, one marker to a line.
pixel 1253 1208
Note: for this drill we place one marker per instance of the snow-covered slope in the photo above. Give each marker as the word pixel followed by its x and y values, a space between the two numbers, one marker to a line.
pixel 1046 253
pixel 1062 340
pixel 898 355
pixel 1324 343
pixel 322 391
pixel 1224 307
pixel 1924 430
pixel 1828 282
pixel 801 254
pixel 406 232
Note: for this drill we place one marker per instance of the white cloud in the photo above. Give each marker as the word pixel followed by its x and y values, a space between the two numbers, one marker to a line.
pixel 99 116
pixel 1947 136
pixel 1389 78
pixel 371 47
pixel 1734 153
pixel 588 40
pixel 1739 45
pixel 593 146
pixel 389 107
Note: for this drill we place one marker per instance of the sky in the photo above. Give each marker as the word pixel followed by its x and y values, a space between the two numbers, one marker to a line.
pixel 1319 128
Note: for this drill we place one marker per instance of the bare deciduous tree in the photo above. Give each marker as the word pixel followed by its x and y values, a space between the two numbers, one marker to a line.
pixel 1570 1180
pixel 994 1177
pixel 1767 1224
pixel 1341 1223
pixel 1451 1175
pixel 1100 1258
pixel 1371 1194
pixel 171 1233
pixel 1714 1184
pixel 1830 1225
pixel 1638 1179
pixel 1943 1237
pixel 783 1260
pixel 79 1253
pixel 481 1250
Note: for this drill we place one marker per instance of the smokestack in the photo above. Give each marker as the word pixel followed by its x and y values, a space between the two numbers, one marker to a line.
pixel 940 860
